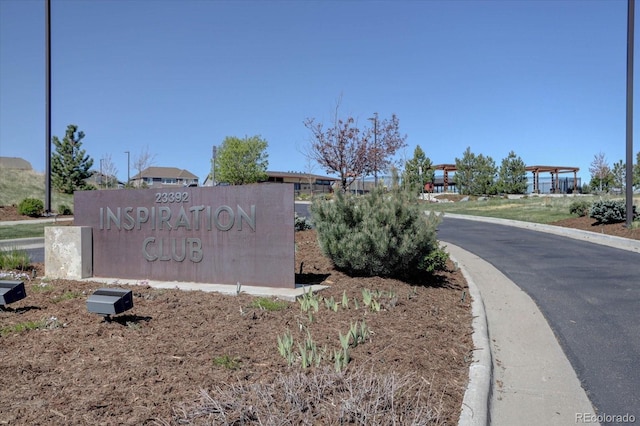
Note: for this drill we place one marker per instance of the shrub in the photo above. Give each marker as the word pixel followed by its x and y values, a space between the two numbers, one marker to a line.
pixel 64 210
pixel 14 259
pixel 610 211
pixel 301 223
pixel 31 207
pixel 381 233
pixel 579 207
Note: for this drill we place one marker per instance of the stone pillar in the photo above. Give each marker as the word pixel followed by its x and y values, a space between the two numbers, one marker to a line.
pixel 68 252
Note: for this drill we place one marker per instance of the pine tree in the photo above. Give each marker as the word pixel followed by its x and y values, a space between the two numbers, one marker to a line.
pixel 513 175
pixel 413 178
pixel 69 164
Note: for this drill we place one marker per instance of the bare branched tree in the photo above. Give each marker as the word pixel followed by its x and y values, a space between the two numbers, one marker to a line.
pixel 309 168
pixel 143 161
pixel 109 171
pixel 599 169
pixel 340 149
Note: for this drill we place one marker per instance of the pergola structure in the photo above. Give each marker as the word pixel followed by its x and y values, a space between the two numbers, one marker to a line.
pixel 446 168
pixel 555 178
pixel 536 170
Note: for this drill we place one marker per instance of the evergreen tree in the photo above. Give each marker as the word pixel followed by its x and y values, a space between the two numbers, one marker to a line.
pixel 484 181
pixel 512 178
pixel 241 161
pixel 619 176
pixel 69 164
pixel 413 179
pixel 383 233
pixel 475 175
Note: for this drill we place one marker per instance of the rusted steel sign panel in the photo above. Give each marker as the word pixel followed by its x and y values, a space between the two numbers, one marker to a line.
pixel 217 235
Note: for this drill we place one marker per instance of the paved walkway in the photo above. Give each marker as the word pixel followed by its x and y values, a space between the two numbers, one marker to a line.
pixel 521 376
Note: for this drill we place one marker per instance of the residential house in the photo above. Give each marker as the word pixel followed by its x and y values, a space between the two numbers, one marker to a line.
pixel 163 177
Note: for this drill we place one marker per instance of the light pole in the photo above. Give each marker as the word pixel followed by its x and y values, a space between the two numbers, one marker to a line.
pixel 375 148
pixel 128 168
pixel 102 172
pixel 629 145
pixel 421 183
pixel 47 175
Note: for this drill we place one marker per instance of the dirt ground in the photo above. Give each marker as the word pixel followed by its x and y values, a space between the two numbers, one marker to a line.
pixel 587 224
pixel 203 358
pixel 184 357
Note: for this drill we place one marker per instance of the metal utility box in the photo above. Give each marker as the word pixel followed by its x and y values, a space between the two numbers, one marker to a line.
pixel 11 291
pixel 110 301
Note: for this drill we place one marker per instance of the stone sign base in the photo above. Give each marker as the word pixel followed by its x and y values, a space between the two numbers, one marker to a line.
pixel 68 252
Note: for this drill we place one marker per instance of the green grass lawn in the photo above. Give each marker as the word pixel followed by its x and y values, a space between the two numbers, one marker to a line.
pixel 27 230
pixel 542 209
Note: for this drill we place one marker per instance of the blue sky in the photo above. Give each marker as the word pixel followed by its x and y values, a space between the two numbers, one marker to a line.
pixel 543 78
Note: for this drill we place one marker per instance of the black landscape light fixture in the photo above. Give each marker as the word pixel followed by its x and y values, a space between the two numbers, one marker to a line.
pixel 110 301
pixel 11 291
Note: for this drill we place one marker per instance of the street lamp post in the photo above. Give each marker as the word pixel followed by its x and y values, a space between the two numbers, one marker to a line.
pixel 421 183
pixel 375 148
pixel 102 172
pixel 629 144
pixel 47 178
pixel 128 168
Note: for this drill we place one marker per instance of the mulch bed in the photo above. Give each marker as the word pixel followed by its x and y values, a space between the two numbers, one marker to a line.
pixel 163 361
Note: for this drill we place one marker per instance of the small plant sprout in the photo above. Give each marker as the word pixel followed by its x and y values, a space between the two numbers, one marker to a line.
pixel 285 347
pixel 304 356
pixel 308 301
pixel 331 304
pixel 366 297
pixel 353 333
pixel 364 331
pixel 344 342
pixel 345 300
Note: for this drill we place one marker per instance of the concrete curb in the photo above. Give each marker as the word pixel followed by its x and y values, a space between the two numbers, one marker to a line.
pixel 22 243
pixel 475 405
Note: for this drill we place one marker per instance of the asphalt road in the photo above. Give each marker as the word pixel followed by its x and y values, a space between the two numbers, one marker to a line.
pixel 589 294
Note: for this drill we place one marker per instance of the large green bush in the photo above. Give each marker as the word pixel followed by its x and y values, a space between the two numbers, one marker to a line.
pixel 381 233
pixel 610 211
pixel 31 207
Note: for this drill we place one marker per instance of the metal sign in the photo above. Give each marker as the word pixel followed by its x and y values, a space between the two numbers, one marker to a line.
pixel 216 235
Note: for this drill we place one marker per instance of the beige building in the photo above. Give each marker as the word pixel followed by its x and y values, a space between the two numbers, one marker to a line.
pixel 163 177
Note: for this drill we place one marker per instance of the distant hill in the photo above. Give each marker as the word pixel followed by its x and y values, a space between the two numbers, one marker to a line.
pixel 14 163
pixel 18 184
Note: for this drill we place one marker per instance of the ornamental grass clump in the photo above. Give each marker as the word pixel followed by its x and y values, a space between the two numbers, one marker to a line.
pixel 382 233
